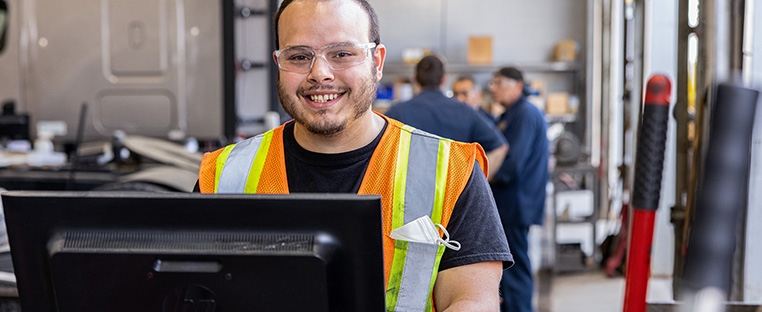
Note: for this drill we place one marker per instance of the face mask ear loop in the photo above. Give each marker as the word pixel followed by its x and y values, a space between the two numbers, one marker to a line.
pixel 454 245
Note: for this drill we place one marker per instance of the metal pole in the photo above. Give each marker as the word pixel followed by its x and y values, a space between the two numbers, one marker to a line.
pixel 682 142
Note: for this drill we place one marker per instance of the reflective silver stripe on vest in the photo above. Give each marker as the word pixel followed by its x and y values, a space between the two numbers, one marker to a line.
pixel 421 175
pixel 420 258
pixel 417 276
pixel 237 166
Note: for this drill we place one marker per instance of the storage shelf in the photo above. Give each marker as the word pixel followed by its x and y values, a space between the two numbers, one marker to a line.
pixel 570 117
pixel 586 183
pixel 557 67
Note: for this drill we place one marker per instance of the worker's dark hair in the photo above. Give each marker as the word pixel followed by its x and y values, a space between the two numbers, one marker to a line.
pixel 429 72
pixel 515 74
pixel 510 73
pixel 465 78
pixel 375 34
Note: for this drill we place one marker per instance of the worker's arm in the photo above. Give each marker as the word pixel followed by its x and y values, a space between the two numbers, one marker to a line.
pixel 485 133
pixel 495 158
pixel 522 134
pixel 473 287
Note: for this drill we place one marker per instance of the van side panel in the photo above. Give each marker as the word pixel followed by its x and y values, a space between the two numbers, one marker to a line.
pixel 146 67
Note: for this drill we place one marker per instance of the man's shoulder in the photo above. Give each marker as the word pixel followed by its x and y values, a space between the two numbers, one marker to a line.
pixel 529 106
pixel 529 110
pixel 410 110
pixel 402 107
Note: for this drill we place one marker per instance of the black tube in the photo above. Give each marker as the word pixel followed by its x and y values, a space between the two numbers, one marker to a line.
pixel 229 71
pixel 722 192
pixel 273 69
pixel 652 139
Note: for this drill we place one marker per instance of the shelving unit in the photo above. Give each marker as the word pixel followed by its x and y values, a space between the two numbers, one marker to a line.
pixel 558 77
pixel 458 68
pixel 573 235
pixel 576 213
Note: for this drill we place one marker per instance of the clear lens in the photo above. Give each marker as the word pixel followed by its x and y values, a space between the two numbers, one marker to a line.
pixel 295 58
pixel 338 56
pixel 501 82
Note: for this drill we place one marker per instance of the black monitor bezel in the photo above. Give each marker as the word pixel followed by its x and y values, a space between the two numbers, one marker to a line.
pixel 32 217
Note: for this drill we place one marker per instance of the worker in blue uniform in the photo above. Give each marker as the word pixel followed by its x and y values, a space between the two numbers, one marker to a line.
pixel 432 111
pixel 464 90
pixel 520 182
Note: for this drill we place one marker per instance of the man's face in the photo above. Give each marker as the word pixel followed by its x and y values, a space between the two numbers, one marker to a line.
pixel 463 90
pixel 326 101
pixel 505 91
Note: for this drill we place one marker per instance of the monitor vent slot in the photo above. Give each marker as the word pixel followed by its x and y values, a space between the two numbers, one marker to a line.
pixel 183 242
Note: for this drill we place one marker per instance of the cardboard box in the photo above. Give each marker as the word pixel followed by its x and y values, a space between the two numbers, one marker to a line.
pixel 413 55
pixel 557 103
pixel 565 51
pixel 538 85
pixel 479 50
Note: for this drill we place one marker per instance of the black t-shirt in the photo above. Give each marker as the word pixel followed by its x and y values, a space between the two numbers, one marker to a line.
pixel 475 222
pixel 310 172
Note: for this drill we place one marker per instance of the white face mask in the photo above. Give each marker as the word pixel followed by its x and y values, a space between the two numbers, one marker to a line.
pixel 423 230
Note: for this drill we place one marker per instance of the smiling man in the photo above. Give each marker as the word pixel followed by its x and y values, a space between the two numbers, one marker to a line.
pixel 329 60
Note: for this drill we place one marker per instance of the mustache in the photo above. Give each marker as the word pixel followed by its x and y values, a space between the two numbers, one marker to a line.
pixel 323 87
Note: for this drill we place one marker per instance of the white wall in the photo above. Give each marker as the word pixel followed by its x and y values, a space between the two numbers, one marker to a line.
pixel 9 61
pixel 522 31
pixel 252 93
pixel 661 57
pixel 752 290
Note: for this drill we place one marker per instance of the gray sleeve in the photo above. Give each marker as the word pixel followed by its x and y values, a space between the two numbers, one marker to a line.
pixel 475 223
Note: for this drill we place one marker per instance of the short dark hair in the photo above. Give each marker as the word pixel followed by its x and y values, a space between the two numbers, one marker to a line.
pixel 375 34
pixel 515 74
pixel 465 78
pixel 429 72
pixel 510 73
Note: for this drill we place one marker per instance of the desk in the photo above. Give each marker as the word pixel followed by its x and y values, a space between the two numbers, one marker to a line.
pixel 52 180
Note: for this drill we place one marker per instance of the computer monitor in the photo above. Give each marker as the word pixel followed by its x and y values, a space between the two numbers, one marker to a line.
pixel 130 251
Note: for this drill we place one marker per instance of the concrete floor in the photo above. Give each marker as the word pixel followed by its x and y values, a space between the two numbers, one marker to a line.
pixel 593 291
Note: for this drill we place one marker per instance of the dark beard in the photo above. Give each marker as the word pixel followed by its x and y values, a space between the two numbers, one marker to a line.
pixel 324 129
pixel 362 99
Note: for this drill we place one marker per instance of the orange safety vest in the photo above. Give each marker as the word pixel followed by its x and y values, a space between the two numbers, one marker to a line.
pixel 442 169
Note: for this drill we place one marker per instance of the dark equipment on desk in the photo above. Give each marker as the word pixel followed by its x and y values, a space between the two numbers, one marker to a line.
pixel 132 251
pixel 13 126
